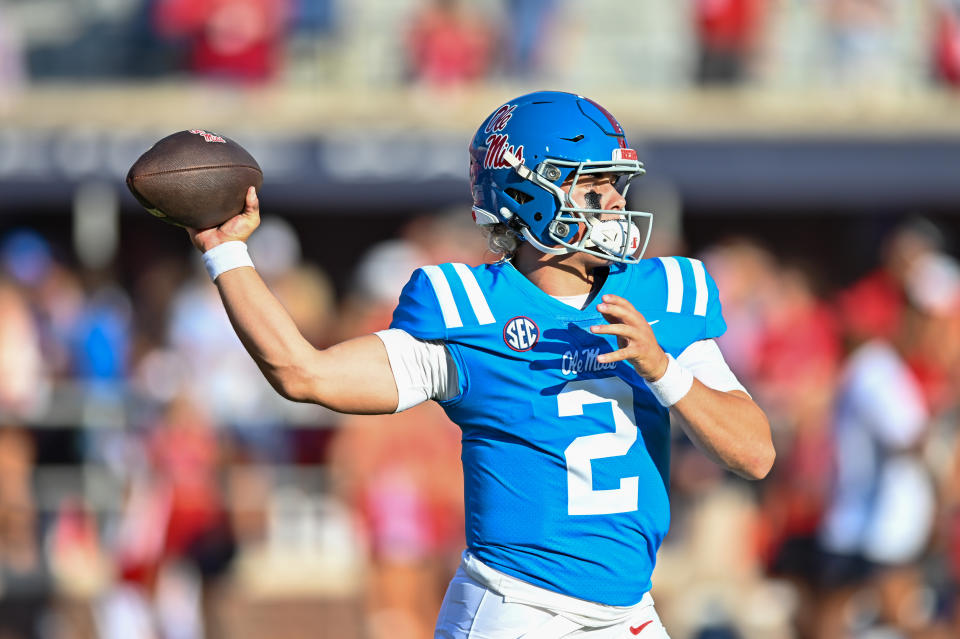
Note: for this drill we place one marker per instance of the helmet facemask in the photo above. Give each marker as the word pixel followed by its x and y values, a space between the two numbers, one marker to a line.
pixel 612 238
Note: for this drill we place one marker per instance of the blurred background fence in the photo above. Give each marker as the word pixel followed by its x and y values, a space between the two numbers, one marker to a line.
pixel 153 485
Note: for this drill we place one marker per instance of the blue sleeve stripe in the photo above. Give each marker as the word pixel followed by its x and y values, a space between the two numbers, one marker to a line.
pixel 477 301
pixel 700 278
pixel 674 284
pixel 441 287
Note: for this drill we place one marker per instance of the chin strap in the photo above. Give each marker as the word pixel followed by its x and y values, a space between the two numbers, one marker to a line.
pixel 552 250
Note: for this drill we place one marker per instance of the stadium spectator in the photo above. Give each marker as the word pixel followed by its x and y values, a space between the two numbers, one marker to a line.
pixel 933 348
pixel 26 587
pixel 945 44
pixel 783 338
pixel 449 44
pixel 879 296
pixel 745 272
pixel 102 336
pixel 219 377
pixel 798 350
pixel 531 25
pixel 239 40
pixel 175 527
pixel 54 295
pixel 874 306
pixel 12 67
pixel 23 375
pixel 729 33
pixel 880 513
pixel 152 290
pixel 401 476
pixel 861 42
pixel 79 562
pixel 948 542
pixel 797 364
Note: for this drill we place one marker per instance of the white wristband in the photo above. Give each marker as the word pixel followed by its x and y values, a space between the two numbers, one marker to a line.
pixel 674 385
pixel 226 257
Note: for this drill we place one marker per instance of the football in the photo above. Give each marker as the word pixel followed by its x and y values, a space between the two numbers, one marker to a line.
pixel 194 178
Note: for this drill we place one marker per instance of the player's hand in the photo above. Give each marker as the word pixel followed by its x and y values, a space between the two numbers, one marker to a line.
pixel 635 340
pixel 239 227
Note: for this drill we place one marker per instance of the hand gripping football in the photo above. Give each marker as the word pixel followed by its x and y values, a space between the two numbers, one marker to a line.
pixel 194 178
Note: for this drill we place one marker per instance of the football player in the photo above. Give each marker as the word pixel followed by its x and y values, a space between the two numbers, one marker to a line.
pixel 561 363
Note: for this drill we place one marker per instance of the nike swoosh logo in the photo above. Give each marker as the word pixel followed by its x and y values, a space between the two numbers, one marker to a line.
pixel 653 322
pixel 638 629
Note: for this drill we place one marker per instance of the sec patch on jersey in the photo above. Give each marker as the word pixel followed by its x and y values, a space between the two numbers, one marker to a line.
pixel 521 333
pixel 194 178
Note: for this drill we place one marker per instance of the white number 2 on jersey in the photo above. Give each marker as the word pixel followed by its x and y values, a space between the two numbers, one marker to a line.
pixel 582 499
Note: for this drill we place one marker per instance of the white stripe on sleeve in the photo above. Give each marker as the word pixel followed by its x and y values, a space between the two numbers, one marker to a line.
pixel 451 316
pixel 422 369
pixel 700 277
pixel 704 359
pixel 674 284
pixel 477 300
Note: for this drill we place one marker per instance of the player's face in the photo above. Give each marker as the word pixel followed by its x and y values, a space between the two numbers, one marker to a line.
pixel 598 191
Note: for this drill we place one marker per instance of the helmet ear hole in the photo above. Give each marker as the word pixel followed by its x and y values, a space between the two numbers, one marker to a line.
pixel 538 216
pixel 519 196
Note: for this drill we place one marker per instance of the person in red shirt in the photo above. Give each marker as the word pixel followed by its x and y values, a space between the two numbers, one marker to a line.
pixel 230 39
pixel 727 32
pixel 448 45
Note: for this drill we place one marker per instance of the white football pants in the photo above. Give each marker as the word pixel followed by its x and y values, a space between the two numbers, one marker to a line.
pixel 472 610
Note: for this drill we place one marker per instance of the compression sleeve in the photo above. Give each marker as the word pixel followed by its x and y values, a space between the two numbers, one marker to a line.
pixel 704 359
pixel 422 369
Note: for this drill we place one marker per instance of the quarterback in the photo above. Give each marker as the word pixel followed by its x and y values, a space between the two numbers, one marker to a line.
pixel 561 363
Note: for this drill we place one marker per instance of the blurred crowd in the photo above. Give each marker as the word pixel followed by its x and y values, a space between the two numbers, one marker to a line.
pixel 143 457
pixel 446 43
pixel 854 534
pixel 153 485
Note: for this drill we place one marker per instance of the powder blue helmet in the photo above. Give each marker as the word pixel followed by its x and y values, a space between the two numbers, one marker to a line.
pixel 528 148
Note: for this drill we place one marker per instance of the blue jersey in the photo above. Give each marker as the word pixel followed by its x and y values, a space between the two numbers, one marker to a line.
pixel 565 459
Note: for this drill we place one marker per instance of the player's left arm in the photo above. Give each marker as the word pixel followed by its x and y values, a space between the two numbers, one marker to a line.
pixel 726 425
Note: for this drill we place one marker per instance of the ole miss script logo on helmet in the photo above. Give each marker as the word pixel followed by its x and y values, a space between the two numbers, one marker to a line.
pixel 498 142
pixel 521 333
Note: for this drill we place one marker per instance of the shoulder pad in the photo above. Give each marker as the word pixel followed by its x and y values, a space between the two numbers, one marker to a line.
pixel 439 300
pixel 690 290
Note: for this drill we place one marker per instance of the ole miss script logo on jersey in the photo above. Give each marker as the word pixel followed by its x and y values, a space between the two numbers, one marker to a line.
pixel 498 142
pixel 521 333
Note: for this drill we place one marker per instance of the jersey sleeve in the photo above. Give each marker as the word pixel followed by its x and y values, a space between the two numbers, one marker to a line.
pixel 419 312
pixel 691 293
pixel 715 326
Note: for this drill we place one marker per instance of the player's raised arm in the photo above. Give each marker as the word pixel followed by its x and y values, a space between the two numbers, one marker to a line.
pixel 728 427
pixel 350 377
